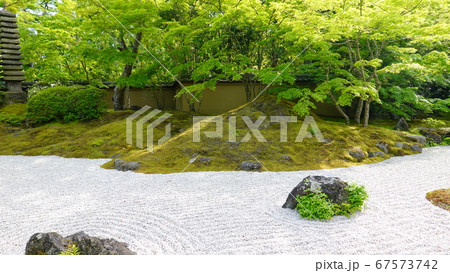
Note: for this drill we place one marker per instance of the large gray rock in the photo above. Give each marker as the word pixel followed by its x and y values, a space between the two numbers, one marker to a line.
pixel 417 138
pixel 45 244
pixel 383 146
pixel 402 125
pixel 357 153
pixel 54 244
pixel 124 166
pixel 333 187
pixel 250 166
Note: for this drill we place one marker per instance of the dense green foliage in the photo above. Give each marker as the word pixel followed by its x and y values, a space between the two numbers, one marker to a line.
pixel 13 114
pixel 66 104
pixel 72 249
pixel 364 56
pixel 12 119
pixel 316 205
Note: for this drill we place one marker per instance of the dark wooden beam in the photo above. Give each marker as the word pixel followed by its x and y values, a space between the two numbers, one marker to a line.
pixel 9 46
pixel 10 51
pixel 8 25
pixel 8 19
pixel 9 30
pixel 10 62
pixel 6 13
pixel 11 57
pixel 9 41
pixel 13 78
pixel 13 73
pixel 9 35
pixel 12 67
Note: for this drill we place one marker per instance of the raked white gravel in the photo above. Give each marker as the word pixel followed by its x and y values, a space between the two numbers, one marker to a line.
pixel 222 212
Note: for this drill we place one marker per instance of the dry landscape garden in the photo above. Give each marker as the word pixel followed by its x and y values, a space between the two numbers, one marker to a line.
pixel 224 127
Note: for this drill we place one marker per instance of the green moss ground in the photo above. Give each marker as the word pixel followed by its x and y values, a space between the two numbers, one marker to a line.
pixel 101 138
pixel 174 155
pixel 106 137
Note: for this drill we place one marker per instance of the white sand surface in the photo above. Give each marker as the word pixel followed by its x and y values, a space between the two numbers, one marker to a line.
pixel 223 212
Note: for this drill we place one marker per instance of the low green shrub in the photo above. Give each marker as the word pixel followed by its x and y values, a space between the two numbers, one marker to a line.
pixel 12 119
pixel 316 205
pixel 66 104
pixel 72 249
pixel 13 114
pixel 435 123
pixel 445 141
pixel 431 143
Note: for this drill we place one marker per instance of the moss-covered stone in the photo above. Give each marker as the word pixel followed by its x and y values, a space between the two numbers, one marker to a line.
pixel 440 198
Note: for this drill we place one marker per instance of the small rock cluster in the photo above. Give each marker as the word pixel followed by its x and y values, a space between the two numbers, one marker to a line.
pixel 124 166
pixel 54 244
pixel 385 149
pixel 435 134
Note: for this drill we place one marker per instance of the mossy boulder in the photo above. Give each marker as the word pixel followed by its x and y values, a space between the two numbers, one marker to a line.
pixel 333 187
pixel 357 153
pixel 440 198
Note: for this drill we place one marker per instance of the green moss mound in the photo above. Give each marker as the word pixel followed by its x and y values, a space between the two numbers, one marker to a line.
pixel 176 154
pixel 13 114
pixel 106 137
pixel 440 198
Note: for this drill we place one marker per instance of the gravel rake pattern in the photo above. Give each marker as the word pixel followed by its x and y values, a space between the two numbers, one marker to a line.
pixel 223 212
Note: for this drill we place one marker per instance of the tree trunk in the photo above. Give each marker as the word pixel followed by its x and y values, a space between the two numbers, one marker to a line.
pixel 119 90
pixel 359 111
pixel 367 112
pixel 339 108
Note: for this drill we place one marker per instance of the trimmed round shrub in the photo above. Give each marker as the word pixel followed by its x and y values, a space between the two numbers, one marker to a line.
pixel 66 104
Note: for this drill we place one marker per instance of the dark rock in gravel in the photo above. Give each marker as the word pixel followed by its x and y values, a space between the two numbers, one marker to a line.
pixel 124 166
pixel 333 187
pixel 417 138
pixel 357 153
pixel 383 146
pixel 55 244
pixel 402 125
pixel 416 148
pixel 377 153
pixel 204 160
pixel 286 158
pixel 250 166
pixel 401 145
